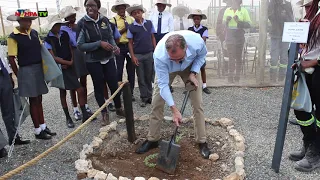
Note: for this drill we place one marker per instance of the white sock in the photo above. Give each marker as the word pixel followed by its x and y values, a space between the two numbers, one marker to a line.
pixel 43 126
pixel 37 131
pixel 86 105
pixel 204 85
pixel 75 109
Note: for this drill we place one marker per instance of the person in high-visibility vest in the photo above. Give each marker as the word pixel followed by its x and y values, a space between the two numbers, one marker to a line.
pixel 236 19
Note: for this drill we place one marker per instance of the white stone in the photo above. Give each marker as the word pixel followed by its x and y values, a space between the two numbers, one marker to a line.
pixel 224 167
pixel 100 176
pixel 90 164
pixel 167 118
pixel 230 127
pixel 123 134
pixel 92 172
pixel 239 163
pixel 123 178
pixel 214 157
pixel 83 155
pixel 153 178
pixel 81 166
pixel 111 177
pixel 239 138
pixel 225 122
pixel 95 144
pixel 232 176
pixel 122 120
pixel 139 178
pixel 207 120
pixel 185 120
pixel 241 173
pixel 88 149
pixel 240 146
pixel 144 117
pixel 239 154
pixel 218 143
pixel 105 129
pixel 233 132
pixel 113 126
pixel 198 169
pixel 103 135
pixel 224 147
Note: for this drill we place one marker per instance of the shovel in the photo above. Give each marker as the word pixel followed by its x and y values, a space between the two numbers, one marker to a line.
pixel 169 150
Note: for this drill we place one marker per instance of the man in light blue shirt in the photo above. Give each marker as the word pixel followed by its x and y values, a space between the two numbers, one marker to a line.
pixel 177 53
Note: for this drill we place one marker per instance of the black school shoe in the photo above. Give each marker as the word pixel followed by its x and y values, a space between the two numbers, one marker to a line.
pixel 43 135
pixel 3 153
pixel 48 131
pixel 19 141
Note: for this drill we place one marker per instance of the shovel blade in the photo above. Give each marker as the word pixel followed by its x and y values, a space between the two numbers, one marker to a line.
pixel 167 162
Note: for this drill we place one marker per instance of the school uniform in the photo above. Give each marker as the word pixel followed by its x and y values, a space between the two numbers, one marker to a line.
pixel 122 23
pixel 143 50
pixel 100 63
pixel 78 56
pixel 203 32
pixel 27 48
pixel 61 48
pixel 162 22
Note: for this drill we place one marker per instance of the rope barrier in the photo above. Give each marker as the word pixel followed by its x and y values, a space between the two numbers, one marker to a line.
pixel 60 143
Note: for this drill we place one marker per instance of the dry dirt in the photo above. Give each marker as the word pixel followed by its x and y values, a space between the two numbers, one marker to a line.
pixel 117 156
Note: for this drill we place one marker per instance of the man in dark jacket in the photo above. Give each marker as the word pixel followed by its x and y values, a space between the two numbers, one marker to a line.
pixel 280 11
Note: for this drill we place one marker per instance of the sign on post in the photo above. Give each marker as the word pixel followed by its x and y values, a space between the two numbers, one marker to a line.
pixel 293 32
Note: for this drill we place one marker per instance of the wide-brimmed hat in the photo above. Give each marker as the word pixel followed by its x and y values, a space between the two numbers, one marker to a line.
pixel 68 11
pixel 135 7
pixel 180 10
pixel 13 17
pixel 197 12
pixel 52 20
pixel 103 11
pixel 303 3
pixel 163 2
pixel 118 3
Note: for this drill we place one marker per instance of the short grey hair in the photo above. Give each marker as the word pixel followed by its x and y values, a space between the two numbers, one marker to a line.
pixel 174 41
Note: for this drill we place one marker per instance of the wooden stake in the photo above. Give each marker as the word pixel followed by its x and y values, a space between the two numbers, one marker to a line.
pixel 127 103
pixel 2 24
pixel 38 17
pixel 263 22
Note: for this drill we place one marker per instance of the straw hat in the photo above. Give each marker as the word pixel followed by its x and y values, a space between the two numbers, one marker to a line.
pixel 180 10
pixel 68 11
pixel 118 3
pixel 163 2
pixel 13 17
pixel 103 11
pixel 136 7
pixel 303 3
pixel 197 12
pixel 55 19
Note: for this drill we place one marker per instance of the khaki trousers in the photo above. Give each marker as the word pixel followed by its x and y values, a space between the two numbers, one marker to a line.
pixel 158 103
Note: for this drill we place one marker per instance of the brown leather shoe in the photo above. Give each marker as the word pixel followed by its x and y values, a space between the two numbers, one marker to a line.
pixel 105 119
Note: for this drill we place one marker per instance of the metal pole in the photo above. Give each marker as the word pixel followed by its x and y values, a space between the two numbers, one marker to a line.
pixel 214 13
pixel 127 103
pixel 58 5
pixel 169 7
pixel 18 2
pixel 177 2
pixel 38 17
pixel 285 109
pixel 2 24
pixel 263 25
pixel 108 12
pixel 151 5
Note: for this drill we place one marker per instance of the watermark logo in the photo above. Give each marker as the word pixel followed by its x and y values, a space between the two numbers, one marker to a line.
pixel 28 13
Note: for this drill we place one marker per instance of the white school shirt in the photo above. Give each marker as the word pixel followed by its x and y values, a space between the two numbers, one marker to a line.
pixel 167 24
pixel 6 65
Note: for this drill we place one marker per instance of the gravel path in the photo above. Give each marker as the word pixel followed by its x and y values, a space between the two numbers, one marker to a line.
pixel 255 112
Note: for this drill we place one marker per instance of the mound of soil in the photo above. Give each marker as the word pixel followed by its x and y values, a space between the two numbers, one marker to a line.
pixel 117 156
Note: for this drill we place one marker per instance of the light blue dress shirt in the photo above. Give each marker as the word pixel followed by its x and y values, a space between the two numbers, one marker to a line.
pixel 195 56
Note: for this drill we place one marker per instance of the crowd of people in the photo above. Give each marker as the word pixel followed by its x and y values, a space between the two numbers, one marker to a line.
pixel 99 46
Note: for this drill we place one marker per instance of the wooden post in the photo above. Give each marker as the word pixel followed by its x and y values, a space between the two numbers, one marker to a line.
pixel 263 25
pixel 127 103
pixel 2 24
pixel 38 17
